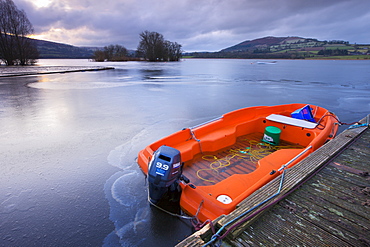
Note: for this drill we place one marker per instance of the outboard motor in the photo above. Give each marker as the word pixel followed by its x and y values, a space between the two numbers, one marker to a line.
pixel 164 173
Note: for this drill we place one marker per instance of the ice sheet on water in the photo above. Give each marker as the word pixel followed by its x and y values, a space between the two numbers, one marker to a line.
pixel 56 85
pixel 18 202
pixel 172 79
pixel 129 210
pixel 135 230
pixel 126 231
pixel 137 226
pixel 125 189
pixel 127 240
pixel 123 156
pixel 141 219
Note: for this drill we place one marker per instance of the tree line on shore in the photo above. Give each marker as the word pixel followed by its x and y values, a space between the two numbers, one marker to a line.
pixel 17 49
pixel 152 47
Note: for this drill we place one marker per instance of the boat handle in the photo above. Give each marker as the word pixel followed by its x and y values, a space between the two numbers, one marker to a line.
pixel 196 126
pixel 195 138
pixel 296 157
pixel 209 121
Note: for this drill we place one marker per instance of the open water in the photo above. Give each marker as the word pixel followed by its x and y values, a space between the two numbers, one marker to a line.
pixel 68 142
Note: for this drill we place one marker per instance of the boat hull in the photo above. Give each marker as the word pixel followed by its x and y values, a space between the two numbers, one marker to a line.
pixel 209 199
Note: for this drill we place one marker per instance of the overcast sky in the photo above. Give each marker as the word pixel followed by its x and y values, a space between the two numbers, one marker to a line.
pixel 198 25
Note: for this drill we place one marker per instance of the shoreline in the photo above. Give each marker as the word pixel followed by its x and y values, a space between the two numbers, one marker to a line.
pixel 312 58
pixel 349 57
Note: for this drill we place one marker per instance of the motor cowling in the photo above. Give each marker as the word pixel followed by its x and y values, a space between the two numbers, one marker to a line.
pixel 164 173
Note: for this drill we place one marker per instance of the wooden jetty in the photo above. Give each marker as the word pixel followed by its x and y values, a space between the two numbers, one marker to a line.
pixel 324 201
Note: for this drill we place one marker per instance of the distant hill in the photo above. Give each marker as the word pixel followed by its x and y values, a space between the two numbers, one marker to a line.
pixel 48 49
pixel 289 47
pixel 268 43
pixel 267 47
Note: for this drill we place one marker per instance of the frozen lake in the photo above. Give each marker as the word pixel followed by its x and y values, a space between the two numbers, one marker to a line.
pixel 68 142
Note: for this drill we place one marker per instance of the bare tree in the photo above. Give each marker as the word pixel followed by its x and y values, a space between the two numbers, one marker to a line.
pixel 115 53
pixel 99 56
pixel 111 53
pixel 153 47
pixel 173 51
pixel 15 47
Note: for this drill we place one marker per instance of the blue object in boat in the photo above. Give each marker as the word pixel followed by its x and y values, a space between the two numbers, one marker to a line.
pixel 304 113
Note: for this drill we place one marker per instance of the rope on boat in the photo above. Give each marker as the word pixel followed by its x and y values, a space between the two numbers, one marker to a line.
pixel 217 234
pixel 195 138
pixel 173 214
pixel 256 151
pixel 196 222
pixel 358 124
pixel 330 114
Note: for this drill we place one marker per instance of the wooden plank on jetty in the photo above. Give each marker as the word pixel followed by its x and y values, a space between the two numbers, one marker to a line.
pixel 331 208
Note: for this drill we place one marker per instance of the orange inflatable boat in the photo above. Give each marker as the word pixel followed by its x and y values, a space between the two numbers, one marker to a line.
pixel 216 165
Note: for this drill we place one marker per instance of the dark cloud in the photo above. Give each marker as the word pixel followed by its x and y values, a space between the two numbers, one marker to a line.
pixel 197 25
